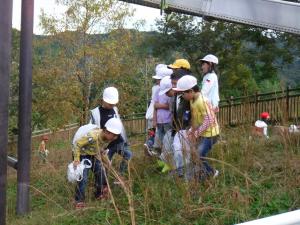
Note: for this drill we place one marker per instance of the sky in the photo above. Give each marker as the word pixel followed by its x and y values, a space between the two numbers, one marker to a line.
pixel 49 6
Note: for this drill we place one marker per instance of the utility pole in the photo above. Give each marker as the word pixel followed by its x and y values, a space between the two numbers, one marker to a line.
pixel 5 57
pixel 25 99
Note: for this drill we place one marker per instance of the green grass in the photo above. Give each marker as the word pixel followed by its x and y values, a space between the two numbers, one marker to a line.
pixel 258 178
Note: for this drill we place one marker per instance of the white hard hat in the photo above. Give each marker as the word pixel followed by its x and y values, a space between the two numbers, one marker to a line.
pixel 165 85
pixel 161 71
pixel 111 95
pixel 76 174
pixel 185 83
pixel 114 125
pixel 210 58
pixel 158 66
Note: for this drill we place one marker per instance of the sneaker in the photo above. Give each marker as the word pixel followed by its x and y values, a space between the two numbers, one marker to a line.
pixel 79 205
pixel 216 173
pixel 147 150
pixel 154 153
pixel 166 168
pixel 160 163
pixel 104 195
pixel 119 182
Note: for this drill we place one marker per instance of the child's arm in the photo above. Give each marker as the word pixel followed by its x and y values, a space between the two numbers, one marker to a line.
pixel 207 122
pixel 207 84
pixel 42 147
pixel 154 119
pixel 81 142
pixel 158 105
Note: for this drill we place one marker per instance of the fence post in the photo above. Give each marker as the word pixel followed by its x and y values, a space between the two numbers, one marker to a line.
pixel 230 110
pixel 287 103
pixel 256 113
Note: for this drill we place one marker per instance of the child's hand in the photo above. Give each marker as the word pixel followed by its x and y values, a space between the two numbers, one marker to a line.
pixel 76 163
pixel 192 135
pixel 105 151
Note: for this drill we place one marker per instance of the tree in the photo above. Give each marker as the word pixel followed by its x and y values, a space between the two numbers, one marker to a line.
pixel 248 56
pixel 83 60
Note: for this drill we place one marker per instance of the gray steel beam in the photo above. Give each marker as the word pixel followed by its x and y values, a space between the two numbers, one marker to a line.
pixel 5 58
pixel 271 14
pixel 12 162
pixel 25 98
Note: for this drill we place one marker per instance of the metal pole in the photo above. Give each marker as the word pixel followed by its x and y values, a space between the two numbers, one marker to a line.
pixel 5 49
pixel 25 98
pixel 12 162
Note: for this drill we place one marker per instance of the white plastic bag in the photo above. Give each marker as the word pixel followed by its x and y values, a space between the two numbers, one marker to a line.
pixel 75 174
pixel 150 110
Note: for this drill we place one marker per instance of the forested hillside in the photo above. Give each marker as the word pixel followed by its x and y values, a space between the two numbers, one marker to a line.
pixel 71 68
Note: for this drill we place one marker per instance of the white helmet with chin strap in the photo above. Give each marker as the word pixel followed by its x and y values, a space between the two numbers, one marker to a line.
pixel 75 174
pixel 114 125
pixel 111 95
pixel 210 58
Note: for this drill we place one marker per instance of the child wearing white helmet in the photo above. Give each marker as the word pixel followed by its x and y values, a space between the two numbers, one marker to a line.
pixel 210 85
pixel 161 71
pixel 204 129
pixel 101 114
pixel 164 124
pixel 88 143
pixel 162 117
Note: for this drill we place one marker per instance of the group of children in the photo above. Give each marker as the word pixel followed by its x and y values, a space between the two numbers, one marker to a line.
pixel 183 122
pixel 182 127
pixel 97 142
pixel 184 118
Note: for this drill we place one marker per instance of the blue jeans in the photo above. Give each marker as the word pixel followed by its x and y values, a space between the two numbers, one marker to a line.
pixel 123 150
pixel 204 148
pixel 100 179
pixel 150 141
pixel 161 130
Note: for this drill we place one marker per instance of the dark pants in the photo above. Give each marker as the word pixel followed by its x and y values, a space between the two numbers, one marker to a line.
pixel 204 148
pixel 100 179
pixel 122 149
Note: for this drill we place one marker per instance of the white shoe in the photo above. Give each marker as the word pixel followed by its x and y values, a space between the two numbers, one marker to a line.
pixel 216 174
pixel 147 150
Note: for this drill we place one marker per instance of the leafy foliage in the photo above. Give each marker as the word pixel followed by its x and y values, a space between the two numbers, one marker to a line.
pixel 248 56
pixel 85 61
pixel 87 49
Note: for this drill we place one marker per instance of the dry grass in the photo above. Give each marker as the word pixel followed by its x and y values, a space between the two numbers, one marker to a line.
pixel 258 178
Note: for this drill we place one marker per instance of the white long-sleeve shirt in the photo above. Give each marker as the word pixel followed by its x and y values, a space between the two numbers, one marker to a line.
pixel 210 89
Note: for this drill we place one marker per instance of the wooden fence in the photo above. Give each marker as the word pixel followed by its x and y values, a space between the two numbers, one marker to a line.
pixel 283 106
pixel 135 124
pixel 66 133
